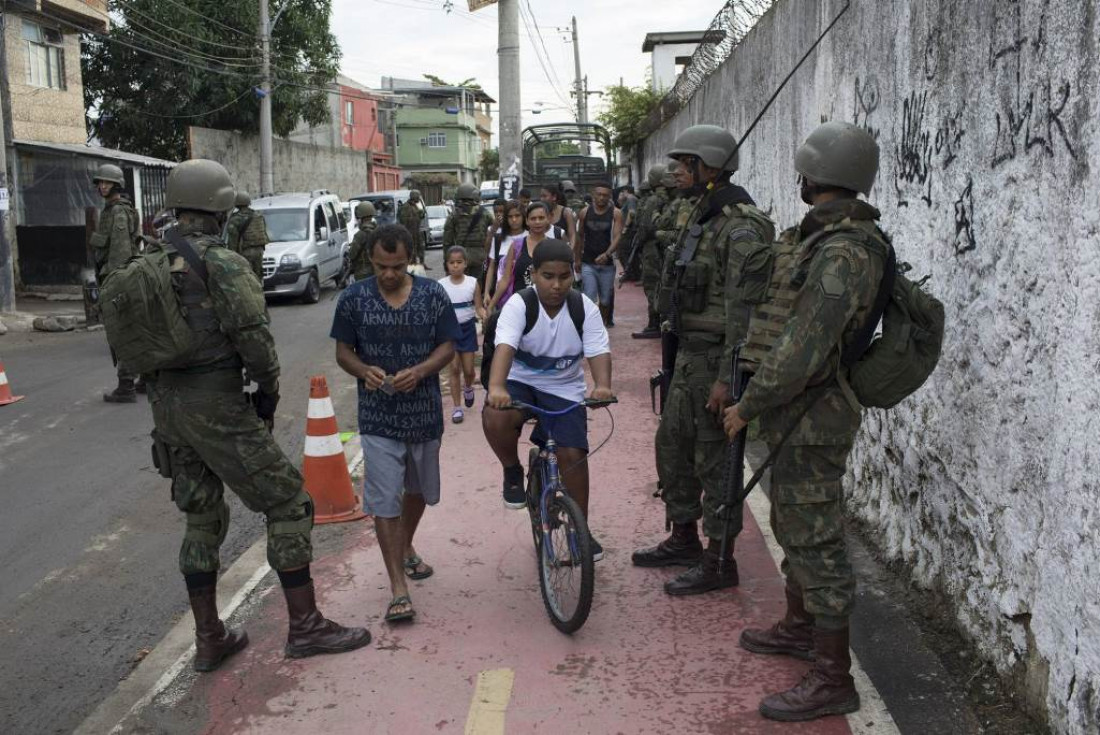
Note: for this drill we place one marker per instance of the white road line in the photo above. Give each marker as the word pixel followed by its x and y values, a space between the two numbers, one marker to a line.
pixel 873 718
pixel 173 653
pixel 490 702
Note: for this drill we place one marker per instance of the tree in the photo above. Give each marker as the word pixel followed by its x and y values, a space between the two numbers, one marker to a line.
pixel 470 83
pixel 168 64
pixel 627 109
pixel 489 164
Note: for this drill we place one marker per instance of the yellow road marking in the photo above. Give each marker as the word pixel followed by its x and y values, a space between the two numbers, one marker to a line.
pixel 490 702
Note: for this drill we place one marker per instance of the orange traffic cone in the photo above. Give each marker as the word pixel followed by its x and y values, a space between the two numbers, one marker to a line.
pixel 5 389
pixel 327 478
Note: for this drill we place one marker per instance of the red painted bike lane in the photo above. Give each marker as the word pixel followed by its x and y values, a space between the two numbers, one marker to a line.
pixel 482 657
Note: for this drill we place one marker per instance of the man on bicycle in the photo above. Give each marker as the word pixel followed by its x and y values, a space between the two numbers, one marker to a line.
pixel 541 366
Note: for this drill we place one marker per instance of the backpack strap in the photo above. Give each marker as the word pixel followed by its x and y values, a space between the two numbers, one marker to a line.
pixel 189 254
pixel 574 301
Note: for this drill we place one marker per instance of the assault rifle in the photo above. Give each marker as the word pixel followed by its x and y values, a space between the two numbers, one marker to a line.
pixel 735 463
pixel 670 338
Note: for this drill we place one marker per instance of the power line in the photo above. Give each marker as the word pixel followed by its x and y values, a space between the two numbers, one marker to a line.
pixel 546 73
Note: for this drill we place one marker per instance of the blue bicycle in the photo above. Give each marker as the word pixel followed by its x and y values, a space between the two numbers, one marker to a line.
pixel 563 544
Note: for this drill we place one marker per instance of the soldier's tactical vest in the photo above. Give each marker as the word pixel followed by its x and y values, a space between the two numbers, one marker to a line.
pixel 703 283
pixel 772 277
pixel 253 232
pixel 211 347
pixel 360 264
pixel 470 231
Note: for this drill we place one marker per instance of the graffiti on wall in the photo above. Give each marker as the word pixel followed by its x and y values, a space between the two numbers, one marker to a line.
pixel 964 219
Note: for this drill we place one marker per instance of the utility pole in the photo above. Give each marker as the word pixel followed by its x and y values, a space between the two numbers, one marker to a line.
pixel 267 165
pixel 7 254
pixel 511 120
pixel 580 87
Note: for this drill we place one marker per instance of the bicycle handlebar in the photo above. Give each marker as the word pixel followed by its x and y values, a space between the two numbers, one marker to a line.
pixel 587 403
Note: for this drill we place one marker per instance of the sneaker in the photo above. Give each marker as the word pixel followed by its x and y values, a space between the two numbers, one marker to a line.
pixel 515 497
pixel 597 550
pixel 457 416
pixel 468 396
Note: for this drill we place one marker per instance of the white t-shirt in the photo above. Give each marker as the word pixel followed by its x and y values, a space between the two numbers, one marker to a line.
pixel 462 296
pixel 549 357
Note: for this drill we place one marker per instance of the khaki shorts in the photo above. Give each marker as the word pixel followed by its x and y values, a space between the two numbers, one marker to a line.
pixel 393 468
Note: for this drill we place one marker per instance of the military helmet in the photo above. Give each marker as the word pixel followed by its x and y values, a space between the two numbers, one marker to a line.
pixel 668 179
pixel 111 173
pixel 364 209
pixel 568 185
pixel 243 200
pixel 466 190
pixel 200 184
pixel 714 146
pixel 414 194
pixel 645 187
pixel 653 178
pixel 839 154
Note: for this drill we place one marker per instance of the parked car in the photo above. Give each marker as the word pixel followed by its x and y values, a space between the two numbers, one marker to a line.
pixel 308 244
pixel 437 219
pixel 386 206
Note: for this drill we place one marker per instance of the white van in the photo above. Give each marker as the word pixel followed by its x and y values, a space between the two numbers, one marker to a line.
pixel 308 235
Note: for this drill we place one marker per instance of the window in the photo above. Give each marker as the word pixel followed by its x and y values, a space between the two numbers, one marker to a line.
pixel 437 140
pixel 45 56
pixel 349 112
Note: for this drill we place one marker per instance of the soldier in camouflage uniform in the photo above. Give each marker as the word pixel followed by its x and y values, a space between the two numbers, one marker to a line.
pixel 114 242
pixel 707 315
pixel 835 283
pixel 573 200
pixel 467 226
pixel 247 234
pixel 359 253
pixel 210 436
pixel 660 180
pixel 411 214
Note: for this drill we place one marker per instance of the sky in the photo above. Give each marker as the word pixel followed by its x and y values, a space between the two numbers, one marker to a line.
pixel 409 38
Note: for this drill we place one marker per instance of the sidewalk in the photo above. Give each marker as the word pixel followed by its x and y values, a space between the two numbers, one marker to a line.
pixel 482 656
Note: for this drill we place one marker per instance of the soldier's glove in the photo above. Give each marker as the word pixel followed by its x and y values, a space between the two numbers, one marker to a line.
pixel 265 405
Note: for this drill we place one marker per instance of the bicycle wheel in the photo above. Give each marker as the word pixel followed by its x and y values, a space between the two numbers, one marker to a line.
pixel 566 572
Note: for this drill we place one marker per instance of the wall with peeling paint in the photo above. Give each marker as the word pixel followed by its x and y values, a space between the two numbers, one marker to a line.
pixel 988 481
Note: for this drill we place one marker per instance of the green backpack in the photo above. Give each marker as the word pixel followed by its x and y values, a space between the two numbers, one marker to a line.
pixel 142 314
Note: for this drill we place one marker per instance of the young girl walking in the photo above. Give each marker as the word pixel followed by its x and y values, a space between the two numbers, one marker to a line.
pixel 465 293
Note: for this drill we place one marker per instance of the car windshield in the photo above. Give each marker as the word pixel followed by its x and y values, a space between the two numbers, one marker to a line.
pixel 437 211
pixel 286 225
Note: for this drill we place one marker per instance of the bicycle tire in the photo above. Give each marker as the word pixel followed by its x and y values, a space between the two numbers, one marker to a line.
pixel 569 621
pixel 534 491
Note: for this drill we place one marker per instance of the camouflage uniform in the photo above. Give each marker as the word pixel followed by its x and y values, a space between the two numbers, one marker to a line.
pixel 711 320
pixel 114 242
pixel 467 227
pixel 359 253
pixel 213 435
pixel 649 213
pixel 837 281
pixel 246 234
pixel 411 215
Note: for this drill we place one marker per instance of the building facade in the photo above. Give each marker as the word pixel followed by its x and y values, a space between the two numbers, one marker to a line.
pixel 671 52
pixel 440 130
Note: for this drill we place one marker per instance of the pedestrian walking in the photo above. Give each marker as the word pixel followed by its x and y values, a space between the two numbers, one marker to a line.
pixel 394 333
pixel 561 216
pixel 799 384
pixel 709 319
pixel 504 242
pixel 598 235
pixel 114 242
pixel 207 436
pixel 465 294
pixel 518 268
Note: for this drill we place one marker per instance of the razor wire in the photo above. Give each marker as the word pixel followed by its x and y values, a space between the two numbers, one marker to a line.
pixel 732 23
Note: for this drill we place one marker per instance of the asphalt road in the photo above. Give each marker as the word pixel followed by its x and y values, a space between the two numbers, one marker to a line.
pixel 89 536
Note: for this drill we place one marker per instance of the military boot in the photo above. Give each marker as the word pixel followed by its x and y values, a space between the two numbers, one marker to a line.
pixel 652 329
pixel 682 549
pixel 124 393
pixel 791 636
pixel 704 576
pixel 826 689
pixel 311 633
pixel 214 642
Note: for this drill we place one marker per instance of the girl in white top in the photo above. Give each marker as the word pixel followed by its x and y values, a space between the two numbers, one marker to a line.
pixel 465 293
pixel 499 243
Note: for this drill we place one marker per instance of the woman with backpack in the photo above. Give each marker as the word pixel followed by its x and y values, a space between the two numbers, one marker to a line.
pixel 518 263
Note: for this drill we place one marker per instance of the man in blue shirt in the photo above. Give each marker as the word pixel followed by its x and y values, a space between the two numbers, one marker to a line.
pixel 394 332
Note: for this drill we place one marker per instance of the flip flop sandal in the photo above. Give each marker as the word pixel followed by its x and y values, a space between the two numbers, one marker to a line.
pixel 410 568
pixel 397 617
pixel 468 396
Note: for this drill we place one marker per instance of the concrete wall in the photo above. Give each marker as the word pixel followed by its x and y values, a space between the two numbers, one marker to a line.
pixel 298 166
pixel 663 67
pixel 988 480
